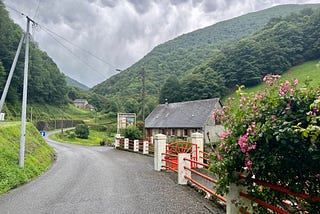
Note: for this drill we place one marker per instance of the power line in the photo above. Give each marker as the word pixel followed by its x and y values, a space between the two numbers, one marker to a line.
pixel 37 10
pixel 54 35
pixel 84 50
pixel 79 58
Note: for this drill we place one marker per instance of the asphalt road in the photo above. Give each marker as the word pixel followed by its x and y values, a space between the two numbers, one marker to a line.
pixel 103 180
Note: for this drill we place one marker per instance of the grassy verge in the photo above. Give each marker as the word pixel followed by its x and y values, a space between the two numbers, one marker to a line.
pixel 38 155
pixel 95 137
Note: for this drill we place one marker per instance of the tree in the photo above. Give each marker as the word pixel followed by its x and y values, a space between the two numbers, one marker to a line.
pixel 3 77
pixel 82 131
pixel 132 132
pixel 170 91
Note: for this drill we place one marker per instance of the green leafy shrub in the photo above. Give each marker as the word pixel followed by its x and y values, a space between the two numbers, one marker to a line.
pixel 82 131
pixel 132 132
pixel 273 136
pixel 72 135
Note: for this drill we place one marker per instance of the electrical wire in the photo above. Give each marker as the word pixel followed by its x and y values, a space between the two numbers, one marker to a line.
pixel 84 50
pixel 75 55
pixel 37 10
pixel 53 35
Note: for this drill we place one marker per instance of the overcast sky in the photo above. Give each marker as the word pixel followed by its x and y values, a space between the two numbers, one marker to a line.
pixel 119 32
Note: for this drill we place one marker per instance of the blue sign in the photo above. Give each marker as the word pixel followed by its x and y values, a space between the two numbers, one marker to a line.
pixel 42 133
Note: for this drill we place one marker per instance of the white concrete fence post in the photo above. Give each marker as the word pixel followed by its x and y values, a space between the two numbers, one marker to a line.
pixel 197 138
pixel 160 141
pixel 181 170
pixel 136 145
pixel 117 140
pixel 145 147
pixel 233 196
pixel 126 143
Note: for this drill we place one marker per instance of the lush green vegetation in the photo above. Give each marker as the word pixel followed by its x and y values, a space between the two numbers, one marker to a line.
pixel 273 136
pixel 38 156
pixel 94 139
pixel 309 70
pixel 132 132
pixel 48 85
pixel 283 43
pixel 82 131
pixel 76 84
pixel 179 56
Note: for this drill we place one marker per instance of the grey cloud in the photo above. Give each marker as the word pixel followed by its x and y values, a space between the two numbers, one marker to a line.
pixel 122 31
pixel 109 3
pixel 210 6
pixel 195 3
pixel 141 6
pixel 177 2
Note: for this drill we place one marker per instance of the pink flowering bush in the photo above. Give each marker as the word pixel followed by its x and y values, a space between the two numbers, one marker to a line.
pixel 273 136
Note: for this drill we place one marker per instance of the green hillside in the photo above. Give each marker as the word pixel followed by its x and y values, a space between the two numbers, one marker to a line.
pixel 281 44
pixel 75 83
pixel 46 85
pixel 179 55
pixel 38 156
pixel 306 71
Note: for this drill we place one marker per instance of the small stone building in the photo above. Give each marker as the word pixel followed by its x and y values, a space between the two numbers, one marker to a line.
pixel 184 118
pixel 81 103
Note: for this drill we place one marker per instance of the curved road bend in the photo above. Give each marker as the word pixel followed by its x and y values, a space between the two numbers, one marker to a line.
pixel 102 180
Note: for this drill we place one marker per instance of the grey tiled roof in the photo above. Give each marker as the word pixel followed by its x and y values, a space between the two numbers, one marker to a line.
pixel 191 114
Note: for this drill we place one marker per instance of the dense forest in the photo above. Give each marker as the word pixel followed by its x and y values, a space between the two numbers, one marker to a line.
pixel 47 85
pixel 180 55
pixel 283 43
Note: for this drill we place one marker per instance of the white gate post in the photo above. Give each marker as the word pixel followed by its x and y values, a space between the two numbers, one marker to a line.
pixel 126 143
pixel 136 145
pixel 197 138
pixel 145 147
pixel 181 170
pixel 233 196
pixel 160 141
pixel 117 140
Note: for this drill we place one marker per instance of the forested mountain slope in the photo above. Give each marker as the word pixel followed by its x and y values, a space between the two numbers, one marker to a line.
pixel 75 83
pixel 47 85
pixel 283 43
pixel 182 54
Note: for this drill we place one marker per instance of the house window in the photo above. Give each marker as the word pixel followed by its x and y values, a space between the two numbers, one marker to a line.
pixel 162 131
pixel 173 132
pixel 185 132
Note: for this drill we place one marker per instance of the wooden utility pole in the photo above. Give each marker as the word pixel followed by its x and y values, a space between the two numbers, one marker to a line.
pixel 142 92
pixel 142 97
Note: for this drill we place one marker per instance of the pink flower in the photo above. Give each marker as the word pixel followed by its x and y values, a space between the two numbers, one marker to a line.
pixel 242 142
pixel 291 90
pixel 295 82
pixel 252 147
pixel 248 163
pixel 223 135
pixel 309 113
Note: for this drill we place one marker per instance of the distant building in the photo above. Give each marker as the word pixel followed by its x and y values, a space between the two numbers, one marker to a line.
pixel 184 118
pixel 82 104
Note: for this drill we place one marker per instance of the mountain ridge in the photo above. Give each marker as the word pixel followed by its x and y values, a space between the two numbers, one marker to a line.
pixel 181 54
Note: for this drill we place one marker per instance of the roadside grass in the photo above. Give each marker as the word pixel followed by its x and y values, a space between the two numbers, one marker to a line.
pixel 309 70
pixel 94 139
pixel 38 155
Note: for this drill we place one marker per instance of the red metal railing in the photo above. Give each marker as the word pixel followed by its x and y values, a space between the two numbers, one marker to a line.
pixel 279 189
pixel 210 191
pixel 173 149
